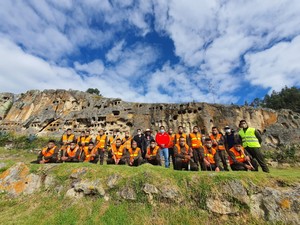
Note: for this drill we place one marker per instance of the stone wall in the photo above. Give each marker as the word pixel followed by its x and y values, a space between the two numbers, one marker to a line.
pixel 51 112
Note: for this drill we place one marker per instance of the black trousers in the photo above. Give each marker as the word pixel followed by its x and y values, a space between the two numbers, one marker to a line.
pixel 180 164
pixel 136 162
pixel 256 154
pixel 222 155
pixel 112 161
pixel 101 155
pixel 155 161
pixel 242 166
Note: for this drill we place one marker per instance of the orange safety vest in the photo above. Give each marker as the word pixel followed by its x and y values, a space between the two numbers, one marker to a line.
pixel 171 143
pixel 80 139
pixel 86 140
pixel 217 139
pixel 239 155
pixel 177 136
pixel 210 155
pixel 72 153
pixel 88 153
pixel 196 140
pixel 48 153
pixel 117 152
pixel 153 152
pixel 112 140
pixel 67 139
pixel 186 153
pixel 134 153
pixel 101 141
pixel 127 142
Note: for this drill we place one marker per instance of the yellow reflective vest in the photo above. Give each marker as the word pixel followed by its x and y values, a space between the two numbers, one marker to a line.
pixel 248 138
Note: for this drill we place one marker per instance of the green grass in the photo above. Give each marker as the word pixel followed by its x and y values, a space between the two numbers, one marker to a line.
pixel 48 207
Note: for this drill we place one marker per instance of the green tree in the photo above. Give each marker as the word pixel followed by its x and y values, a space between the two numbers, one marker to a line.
pixel 287 98
pixel 93 91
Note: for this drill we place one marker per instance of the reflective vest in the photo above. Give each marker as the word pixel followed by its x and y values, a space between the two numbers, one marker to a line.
pixel 186 148
pixel 48 153
pixel 72 153
pixel 177 136
pixel 186 152
pixel 171 143
pixel 248 138
pixel 196 140
pixel 101 141
pixel 209 155
pixel 80 140
pixel 127 142
pixel 88 153
pixel 117 152
pixel 217 138
pixel 239 155
pixel 152 152
pixel 86 140
pixel 112 140
pixel 67 139
pixel 134 153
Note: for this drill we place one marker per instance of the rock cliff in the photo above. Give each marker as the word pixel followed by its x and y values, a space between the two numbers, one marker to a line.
pixel 51 112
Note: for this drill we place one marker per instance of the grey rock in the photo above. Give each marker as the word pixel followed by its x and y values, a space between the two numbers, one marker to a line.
pixel 33 183
pixel 236 190
pixel 71 193
pixel 77 173
pixel 221 206
pixel 90 187
pixel 113 180
pixel 150 189
pixel 171 193
pixel 2 165
pixel 49 182
pixel 128 193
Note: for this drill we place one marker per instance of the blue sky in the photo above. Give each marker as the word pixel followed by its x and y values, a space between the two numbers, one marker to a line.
pixel 151 50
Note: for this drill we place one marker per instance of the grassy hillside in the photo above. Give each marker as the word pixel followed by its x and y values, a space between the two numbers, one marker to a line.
pixel 50 206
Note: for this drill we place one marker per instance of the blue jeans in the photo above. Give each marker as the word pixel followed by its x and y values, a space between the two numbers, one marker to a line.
pixel 165 152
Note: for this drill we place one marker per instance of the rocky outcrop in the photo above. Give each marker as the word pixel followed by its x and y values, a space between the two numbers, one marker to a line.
pixel 51 112
pixel 275 201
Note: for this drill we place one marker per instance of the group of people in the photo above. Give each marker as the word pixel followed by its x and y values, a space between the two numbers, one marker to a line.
pixel 186 151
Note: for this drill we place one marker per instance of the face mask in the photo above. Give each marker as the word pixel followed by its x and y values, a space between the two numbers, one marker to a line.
pixel 152 145
pixel 162 131
pixel 227 130
pixel 139 132
pixel 208 145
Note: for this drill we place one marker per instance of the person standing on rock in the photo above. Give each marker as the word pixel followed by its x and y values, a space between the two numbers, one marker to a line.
pixel 218 143
pixel 195 143
pixel 101 144
pixel 118 154
pixel 184 156
pixel 239 159
pixel 90 153
pixel 164 150
pixel 71 153
pixel 134 155
pixel 251 140
pixel 152 155
pixel 48 154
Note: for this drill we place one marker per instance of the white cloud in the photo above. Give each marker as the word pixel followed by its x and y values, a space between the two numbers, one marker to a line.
pixel 275 67
pixel 95 67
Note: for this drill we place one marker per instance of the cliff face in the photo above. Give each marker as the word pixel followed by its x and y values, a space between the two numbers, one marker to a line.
pixel 51 112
